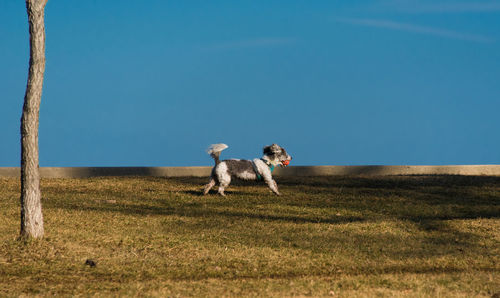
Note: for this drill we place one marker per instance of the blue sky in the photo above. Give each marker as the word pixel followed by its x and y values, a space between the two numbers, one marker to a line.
pixel 153 83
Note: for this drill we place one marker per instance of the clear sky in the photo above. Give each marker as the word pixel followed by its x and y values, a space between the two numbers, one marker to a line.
pixel 153 83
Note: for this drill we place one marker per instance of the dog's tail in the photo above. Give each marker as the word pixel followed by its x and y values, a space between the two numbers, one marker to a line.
pixel 214 151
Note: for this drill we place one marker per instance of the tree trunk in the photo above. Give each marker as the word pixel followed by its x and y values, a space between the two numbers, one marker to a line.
pixel 31 205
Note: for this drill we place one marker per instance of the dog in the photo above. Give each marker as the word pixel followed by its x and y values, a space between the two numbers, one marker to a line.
pixel 256 169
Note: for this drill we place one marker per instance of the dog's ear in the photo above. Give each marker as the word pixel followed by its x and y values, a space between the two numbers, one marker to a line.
pixel 275 148
pixel 272 149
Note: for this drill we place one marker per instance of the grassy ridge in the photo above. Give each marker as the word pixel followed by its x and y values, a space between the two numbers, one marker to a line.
pixel 411 236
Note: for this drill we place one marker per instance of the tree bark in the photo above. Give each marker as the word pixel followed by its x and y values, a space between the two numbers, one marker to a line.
pixel 31 205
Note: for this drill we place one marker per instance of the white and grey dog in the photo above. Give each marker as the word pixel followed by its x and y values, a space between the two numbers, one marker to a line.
pixel 256 169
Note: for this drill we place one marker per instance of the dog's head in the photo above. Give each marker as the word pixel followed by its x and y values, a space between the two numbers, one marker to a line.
pixel 277 155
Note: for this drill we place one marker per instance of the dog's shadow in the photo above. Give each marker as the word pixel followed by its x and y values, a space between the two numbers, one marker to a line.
pixel 213 192
pixel 195 187
pixel 197 193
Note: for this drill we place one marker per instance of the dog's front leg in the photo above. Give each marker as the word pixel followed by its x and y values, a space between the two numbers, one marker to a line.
pixel 272 185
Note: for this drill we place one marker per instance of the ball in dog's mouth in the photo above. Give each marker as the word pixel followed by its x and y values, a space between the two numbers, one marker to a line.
pixel 285 163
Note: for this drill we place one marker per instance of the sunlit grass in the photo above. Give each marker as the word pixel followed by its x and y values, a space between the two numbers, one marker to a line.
pixel 388 236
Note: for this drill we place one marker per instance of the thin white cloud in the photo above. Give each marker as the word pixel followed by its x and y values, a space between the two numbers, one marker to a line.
pixel 444 7
pixel 252 43
pixel 445 33
pixel 461 7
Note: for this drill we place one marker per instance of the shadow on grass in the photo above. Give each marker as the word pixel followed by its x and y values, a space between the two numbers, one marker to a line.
pixel 198 210
pixel 401 182
pixel 416 198
pixel 333 272
pixel 424 200
pixel 416 208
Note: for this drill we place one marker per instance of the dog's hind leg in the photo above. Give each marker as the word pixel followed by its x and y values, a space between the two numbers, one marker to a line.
pixel 223 184
pixel 221 189
pixel 209 186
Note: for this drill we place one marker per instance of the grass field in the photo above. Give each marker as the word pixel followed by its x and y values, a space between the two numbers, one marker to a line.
pixel 434 236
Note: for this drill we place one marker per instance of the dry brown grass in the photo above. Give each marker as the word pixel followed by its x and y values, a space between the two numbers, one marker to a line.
pixel 385 236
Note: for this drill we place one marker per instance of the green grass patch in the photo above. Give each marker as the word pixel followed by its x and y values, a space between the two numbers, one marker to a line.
pixel 325 236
